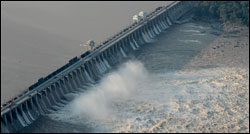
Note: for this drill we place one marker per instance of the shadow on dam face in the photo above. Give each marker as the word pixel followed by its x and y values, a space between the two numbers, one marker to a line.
pixel 95 103
pixel 94 69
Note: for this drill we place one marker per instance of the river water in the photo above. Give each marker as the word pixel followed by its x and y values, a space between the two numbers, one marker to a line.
pixel 144 93
pixel 157 90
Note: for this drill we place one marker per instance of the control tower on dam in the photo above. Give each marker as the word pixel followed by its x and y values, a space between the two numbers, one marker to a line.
pixel 48 93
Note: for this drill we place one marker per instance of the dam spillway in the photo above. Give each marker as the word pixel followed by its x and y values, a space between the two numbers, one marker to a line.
pixel 49 92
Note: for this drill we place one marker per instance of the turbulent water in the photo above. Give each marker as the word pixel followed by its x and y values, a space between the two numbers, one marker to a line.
pixel 152 92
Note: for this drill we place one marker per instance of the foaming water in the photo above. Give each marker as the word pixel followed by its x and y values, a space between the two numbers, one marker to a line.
pixel 201 34
pixel 190 41
pixel 161 102
pixel 190 30
pixel 198 26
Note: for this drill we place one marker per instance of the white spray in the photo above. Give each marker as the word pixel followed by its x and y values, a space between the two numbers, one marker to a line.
pixel 116 86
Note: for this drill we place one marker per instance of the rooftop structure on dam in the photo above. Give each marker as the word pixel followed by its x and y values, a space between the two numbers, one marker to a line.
pixel 136 18
pixel 142 14
pixel 41 97
pixel 90 44
pixel 139 16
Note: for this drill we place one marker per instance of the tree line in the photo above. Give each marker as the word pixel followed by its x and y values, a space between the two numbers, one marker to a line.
pixel 233 11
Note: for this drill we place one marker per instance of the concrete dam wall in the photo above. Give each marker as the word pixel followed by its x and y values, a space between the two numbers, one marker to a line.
pixel 48 93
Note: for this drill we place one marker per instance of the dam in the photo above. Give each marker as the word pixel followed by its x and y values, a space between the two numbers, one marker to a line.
pixel 48 92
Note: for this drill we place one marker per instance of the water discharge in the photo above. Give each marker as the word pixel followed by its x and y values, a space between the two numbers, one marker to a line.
pixel 96 102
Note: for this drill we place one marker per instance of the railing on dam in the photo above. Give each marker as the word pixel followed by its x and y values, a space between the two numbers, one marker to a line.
pixel 49 93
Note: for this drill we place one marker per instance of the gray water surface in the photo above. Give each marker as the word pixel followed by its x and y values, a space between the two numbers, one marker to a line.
pixel 39 37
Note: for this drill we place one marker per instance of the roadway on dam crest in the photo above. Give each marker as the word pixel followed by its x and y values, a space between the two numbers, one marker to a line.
pixel 97 51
